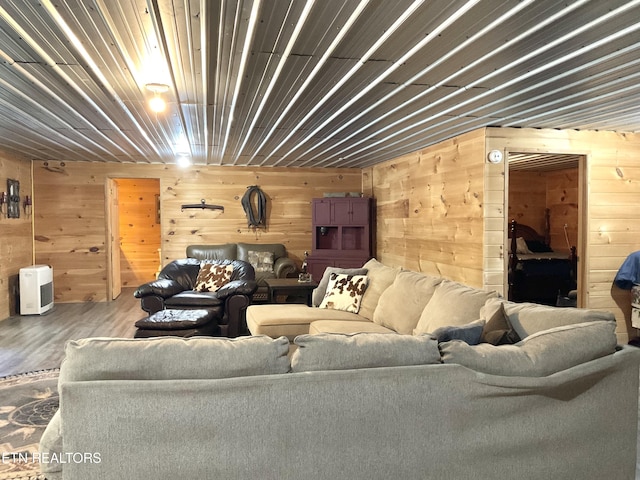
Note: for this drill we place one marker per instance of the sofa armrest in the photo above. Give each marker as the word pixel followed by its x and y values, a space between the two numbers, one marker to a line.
pixel 284 267
pixel 237 287
pixel 163 287
pixel 51 445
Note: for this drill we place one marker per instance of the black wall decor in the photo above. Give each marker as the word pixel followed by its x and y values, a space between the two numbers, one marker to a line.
pixel 13 206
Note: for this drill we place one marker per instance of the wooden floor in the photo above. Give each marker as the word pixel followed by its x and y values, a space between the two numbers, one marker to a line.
pixel 36 342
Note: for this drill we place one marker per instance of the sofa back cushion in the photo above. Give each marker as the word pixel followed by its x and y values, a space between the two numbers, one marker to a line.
pixel 541 354
pixel 380 278
pixel 336 351
pixel 529 318
pixel 173 358
pixel 401 304
pixel 452 304
pixel 228 251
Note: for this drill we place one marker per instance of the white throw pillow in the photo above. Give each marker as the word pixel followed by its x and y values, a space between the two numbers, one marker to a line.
pixel 320 291
pixel 261 261
pixel 212 277
pixel 345 292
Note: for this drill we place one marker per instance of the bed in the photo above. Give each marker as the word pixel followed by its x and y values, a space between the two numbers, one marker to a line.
pixel 537 273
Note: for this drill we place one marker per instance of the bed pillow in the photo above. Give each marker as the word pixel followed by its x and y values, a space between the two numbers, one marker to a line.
pixel 344 292
pixel 538 247
pixel 212 276
pixel 538 355
pixel 321 289
pixel 336 351
pixel 521 246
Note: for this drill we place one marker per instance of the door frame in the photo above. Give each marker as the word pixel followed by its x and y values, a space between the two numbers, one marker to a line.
pixel 583 163
pixel 114 283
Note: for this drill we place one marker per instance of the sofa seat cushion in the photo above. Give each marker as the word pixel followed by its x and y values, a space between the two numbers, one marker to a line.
pixel 189 298
pixel 402 303
pixel 329 351
pixel 538 355
pixel 339 326
pixel 290 319
pixel 529 318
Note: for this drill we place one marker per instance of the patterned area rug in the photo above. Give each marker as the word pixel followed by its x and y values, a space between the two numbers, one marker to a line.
pixel 27 403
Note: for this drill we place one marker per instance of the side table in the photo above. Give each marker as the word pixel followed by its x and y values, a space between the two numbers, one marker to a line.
pixel 290 286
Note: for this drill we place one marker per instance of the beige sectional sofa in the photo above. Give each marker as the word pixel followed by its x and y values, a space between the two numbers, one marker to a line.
pixel 360 406
pixel 380 400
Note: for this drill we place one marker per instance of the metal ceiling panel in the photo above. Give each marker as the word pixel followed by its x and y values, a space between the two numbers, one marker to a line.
pixel 306 82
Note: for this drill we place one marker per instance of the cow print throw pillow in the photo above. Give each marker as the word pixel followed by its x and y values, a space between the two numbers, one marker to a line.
pixel 212 276
pixel 344 292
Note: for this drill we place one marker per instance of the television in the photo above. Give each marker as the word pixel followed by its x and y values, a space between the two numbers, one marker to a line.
pixel 36 289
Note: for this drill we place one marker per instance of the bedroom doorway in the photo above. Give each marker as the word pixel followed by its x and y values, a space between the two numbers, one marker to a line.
pixel 545 192
pixel 133 232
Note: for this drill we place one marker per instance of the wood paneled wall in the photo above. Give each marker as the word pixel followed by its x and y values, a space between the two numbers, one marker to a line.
pixel 430 209
pixel 528 198
pixel 139 229
pixel 16 235
pixel 70 229
pixel 531 193
pixel 611 220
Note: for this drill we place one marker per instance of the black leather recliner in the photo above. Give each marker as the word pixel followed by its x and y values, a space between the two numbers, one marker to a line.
pixel 174 289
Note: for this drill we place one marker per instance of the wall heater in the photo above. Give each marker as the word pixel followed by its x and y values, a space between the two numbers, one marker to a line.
pixel 36 289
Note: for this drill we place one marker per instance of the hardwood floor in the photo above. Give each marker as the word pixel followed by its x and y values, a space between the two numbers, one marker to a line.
pixel 36 342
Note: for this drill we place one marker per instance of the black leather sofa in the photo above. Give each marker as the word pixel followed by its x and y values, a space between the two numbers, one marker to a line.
pixel 174 289
pixel 283 266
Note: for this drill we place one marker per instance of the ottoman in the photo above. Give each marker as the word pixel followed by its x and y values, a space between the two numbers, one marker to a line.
pixel 179 323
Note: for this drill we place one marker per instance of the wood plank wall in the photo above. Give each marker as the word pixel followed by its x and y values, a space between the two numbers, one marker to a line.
pixel 139 229
pixel 430 209
pixel 531 193
pixel 16 235
pixel 70 228
pixel 611 221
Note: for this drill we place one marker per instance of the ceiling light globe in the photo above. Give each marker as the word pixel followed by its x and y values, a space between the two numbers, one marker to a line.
pixel 183 161
pixel 157 104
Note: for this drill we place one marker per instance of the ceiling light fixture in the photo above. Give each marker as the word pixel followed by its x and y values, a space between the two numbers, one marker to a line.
pixel 183 161
pixel 157 103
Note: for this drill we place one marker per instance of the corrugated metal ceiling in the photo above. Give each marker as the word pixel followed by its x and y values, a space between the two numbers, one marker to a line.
pixel 542 162
pixel 306 83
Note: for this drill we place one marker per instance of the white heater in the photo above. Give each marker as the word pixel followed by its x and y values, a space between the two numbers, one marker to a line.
pixel 36 289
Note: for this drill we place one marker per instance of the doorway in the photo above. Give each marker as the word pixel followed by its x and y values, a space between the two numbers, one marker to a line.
pixel 134 232
pixel 545 191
